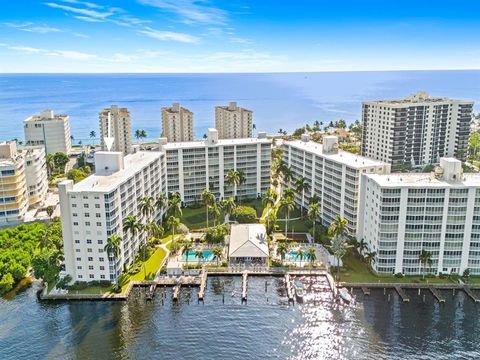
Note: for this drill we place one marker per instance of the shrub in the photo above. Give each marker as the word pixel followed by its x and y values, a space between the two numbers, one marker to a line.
pixel 245 214
pixel 182 229
pixel 399 275
pixel 216 235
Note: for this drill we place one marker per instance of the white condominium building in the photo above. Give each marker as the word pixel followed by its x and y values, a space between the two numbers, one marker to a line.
pixel 23 180
pixel 115 123
pixel 48 130
pixel 233 122
pixel 403 214
pixel 177 123
pixel 416 130
pixel 96 207
pixel 332 174
pixel 198 165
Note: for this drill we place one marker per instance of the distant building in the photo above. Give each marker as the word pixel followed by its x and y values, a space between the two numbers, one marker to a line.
pixel 402 215
pixel 177 123
pixel 233 122
pixel 333 176
pixel 197 165
pixel 48 130
pixel 23 180
pixel 417 130
pixel 120 128
pixel 96 207
pixel 248 244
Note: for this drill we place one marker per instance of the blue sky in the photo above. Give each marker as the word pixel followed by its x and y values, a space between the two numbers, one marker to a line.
pixel 237 35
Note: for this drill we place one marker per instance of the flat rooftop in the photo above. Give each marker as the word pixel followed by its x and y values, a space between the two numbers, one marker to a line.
pixel 417 98
pixel 220 142
pixel 105 183
pixel 56 117
pixel 423 180
pixel 344 157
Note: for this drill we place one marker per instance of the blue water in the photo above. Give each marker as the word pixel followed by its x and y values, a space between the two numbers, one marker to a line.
pixel 278 100
pixel 207 256
pixel 293 256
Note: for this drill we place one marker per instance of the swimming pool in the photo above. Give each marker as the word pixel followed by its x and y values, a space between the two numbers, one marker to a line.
pixel 207 256
pixel 293 256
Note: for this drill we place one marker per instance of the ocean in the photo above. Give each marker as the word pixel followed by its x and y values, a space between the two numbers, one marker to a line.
pixel 376 327
pixel 278 100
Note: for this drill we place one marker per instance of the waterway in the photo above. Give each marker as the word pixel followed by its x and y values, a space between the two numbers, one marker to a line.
pixel 266 327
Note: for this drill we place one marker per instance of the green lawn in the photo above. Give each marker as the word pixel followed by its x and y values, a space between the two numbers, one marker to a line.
pixel 299 225
pixel 151 267
pixel 195 217
pixel 356 271
pixel 93 290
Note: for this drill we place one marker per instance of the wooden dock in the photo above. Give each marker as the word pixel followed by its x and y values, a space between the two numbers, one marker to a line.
pixel 203 284
pixel 244 286
pixel 332 284
pixel 288 286
pixel 366 291
pixel 436 294
pixel 403 295
pixel 176 292
pixel 471 294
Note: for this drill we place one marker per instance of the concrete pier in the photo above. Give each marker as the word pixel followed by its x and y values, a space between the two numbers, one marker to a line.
pixel 203 284
pixel 471 294
pixel 437 294
pixel 288 286
pixel 403 295
pixel 366 291
pixel 244 286
pixel 176 292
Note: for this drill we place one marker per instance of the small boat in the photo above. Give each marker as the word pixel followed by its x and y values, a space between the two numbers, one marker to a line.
pixel 299 291
pixel 345 295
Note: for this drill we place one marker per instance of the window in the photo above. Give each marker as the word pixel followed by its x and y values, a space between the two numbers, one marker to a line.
pixel 87 223
pixel 86 215
pixel 77 241
pixel 102 276
pixel 90 276
pixel 99 223
pixel 80 276
pixel 89 250
pixel 90 267
pixel 98 215
pixel 75 223
pixel 90 258
pixel 100 242
pixel 79 267
pixel 85 205
pixel 97 206
pixel 100 259
pixel 102 267
pixel 77 250
pixel 89 241
pixel 79 259
pixel 74 205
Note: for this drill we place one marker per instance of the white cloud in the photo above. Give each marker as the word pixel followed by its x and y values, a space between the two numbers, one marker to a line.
pixel 85 3
pixel 169 35
pixel 67 54
pixel 88 19
pixel 190 11
pixel 97 14
pixel 31 27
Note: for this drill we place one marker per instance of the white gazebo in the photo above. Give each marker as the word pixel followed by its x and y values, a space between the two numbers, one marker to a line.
pixel 248 244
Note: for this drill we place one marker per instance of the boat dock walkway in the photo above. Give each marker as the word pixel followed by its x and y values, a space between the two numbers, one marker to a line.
pixel 203 284
pixel 436 293
pixel 403 295
pixel 176 292
pixel 470 293
pixel 244 286
pixel 366 291
pixel 288 286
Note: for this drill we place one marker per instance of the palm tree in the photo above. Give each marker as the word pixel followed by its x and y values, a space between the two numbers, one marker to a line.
pixel 160 202
pixel 146 206
pixel 199 255
pixel 270 222
pixel 300 254
pixel 362 246
pixel 131 224
pixel 50 209
pixel 288 204
pixel 50 161
pixel 187 248
pixel 154 230
pixel 217 252
pixel 93 135
pixel 175 204
pixel 301 185
pixel 282 249
pixel 229 207
pixel 314 212
pixel 140 134
pixel 312 255
pixel 338 227
pixel 370 257
pixel 269 198
pixel 215 209
pixel 173 222
pixel 112 248
pixel 235 178
pixel 208 199
pixel 425 258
